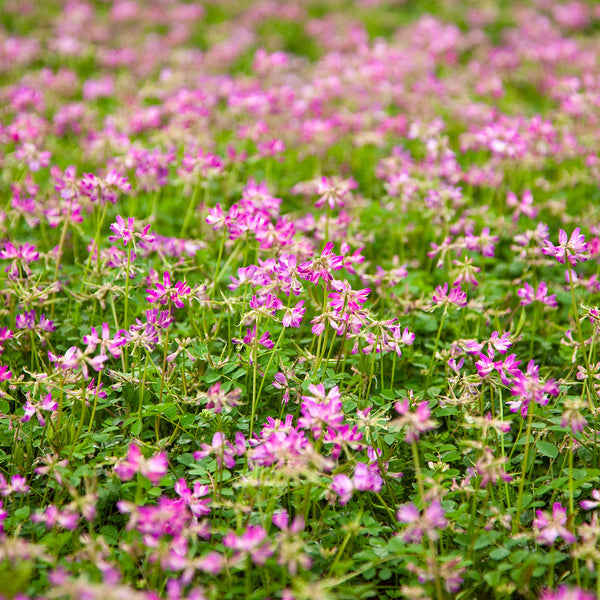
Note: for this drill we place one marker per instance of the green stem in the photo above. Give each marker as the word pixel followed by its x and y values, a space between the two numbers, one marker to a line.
pixel 190 210
pixel 589 381
pixel 222 245
pixel 125 321
pixel 95 402
pixel 254 374
pixel 530 411
pixel 435 347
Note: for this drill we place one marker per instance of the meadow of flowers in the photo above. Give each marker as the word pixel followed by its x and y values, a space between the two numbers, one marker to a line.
pixel 299 299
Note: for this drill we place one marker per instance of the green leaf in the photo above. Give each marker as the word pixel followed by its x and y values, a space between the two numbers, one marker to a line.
pixel 396 545
pixel 492 578
pixel 22 513
pixel 482 541
pixel 136 427
pixel 499 553
pixel 547 448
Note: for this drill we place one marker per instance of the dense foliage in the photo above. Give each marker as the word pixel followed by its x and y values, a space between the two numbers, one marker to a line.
pixel 299 299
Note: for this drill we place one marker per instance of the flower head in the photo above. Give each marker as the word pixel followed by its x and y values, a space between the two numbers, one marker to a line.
pixel 573 248
pixel 550 526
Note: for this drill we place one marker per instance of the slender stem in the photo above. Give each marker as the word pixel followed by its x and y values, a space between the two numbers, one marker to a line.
pixel 125 321
pixel 190 210
pixel 590 384
pixel 80 425
pixel 435 347
pixel 95 401
pixel 530 411
pixel 222 245
pixel 372 371
pixel 273 352
pixel 164 366
pixel 254 374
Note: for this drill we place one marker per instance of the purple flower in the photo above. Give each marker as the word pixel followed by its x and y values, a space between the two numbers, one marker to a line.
pixel 166 292
pixel 321 410
pixel 224 451
pixel 364 479
pixel 17 485
pixel 293 316
pixel 528 387
pixel 35 408
pixel 591 504
pixel 154 468
pixel 456 296
pixel 549 527
pixel 251 543
pixel 565 593
pixel 321 267
pixel 528 295
pixel 574 248
pixel 124 230
pixel 342 485
pixel 414 423
pixel 427 523
pixel 195 499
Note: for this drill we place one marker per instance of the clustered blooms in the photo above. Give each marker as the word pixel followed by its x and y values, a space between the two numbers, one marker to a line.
pixel 268 225
pixel 167 293
pixel 414 423
pixel 551 526
pixel 154 468
pixel 428 523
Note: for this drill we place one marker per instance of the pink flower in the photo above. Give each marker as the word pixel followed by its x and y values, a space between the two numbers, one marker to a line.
pixel 195 499
pixel 106 343
pixel 342 485
pixel 35 408
pixel 216 217
pixel 346 300
pixel 523 207
pixel 165 292
pixel 364 479
pixel 154 468
pixel 218 399
pixel 321 267
pixel 415 423
pixel 5 373
pixel 17 485
pixel 565 593
pixel 456 296
pixel 334 191
pixel 574 248
pixel 591 504
pixel 74 359
pixel 528 295
pixel 124 230
pixel 321 410
pixel 293 316
pixel 491 468
pixel 223 450
pixel 251 542
pixel 428 523
pixel 549 527
pixel 528 387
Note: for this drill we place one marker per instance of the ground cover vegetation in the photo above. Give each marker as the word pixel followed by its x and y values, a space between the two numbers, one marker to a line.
pixel 299 300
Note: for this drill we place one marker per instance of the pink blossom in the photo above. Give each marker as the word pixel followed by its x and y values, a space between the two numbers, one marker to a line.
pixel 154 468
pixel 414 423
pixel 419 524
pixel 252 542
pixel 549 527
pixel 573 249
pixel 165 292
pixel 528 295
